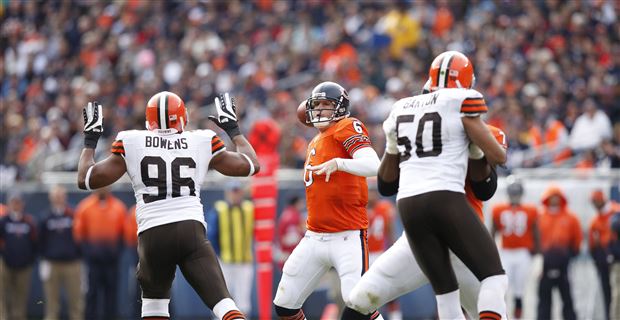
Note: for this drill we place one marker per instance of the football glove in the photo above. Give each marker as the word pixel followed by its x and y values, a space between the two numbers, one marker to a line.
pixel 326 168
pixel 93 124
pixel 226 115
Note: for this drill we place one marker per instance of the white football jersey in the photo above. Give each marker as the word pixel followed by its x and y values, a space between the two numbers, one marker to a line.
pixel 432 141
pixel 166 171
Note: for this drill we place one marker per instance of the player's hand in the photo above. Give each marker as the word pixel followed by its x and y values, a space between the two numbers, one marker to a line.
pixel 391 139
pixel 226 115
pixel 326 168
pixel 475 153
pixel 93 124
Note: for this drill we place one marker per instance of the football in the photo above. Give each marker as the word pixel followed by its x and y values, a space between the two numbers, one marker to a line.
pixel 301 114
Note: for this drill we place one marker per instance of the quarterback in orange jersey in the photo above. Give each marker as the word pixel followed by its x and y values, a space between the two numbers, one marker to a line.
pixel 517 224
pixel 338 160
pixel 396 272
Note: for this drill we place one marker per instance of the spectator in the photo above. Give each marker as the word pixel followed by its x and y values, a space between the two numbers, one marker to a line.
pixel 50 65
pixel 560 237
pixel 599 237
pixel 98 228
pixel 517 223
pixel 61 265
pixel 231 231
pixel 614 270
pixel 291 228
pixel 18 240
pixel 590 129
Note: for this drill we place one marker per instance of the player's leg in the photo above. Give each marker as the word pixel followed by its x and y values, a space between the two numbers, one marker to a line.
pixel 199 265
pixel 469 286
pixel 431 252
pixel 467 237
pixel 522 261
pixel 393 274
pixel 348 252
pixel 157 255
pixel 301 274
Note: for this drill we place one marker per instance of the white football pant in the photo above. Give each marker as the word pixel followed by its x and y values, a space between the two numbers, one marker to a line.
pixel 396 272
pixel 315 255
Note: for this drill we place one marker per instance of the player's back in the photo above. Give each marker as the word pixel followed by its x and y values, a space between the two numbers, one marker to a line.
pixel 515 223
pixel 432 139
pixel 340 203
pixel 166 172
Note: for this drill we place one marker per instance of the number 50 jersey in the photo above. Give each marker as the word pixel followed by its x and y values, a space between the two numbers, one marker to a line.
pixel 166 172
pixel 432 141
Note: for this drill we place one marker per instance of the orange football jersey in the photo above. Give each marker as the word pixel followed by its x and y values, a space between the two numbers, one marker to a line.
pixel 515 225
pixel 340 203
pixel 379 219
pixel 500 136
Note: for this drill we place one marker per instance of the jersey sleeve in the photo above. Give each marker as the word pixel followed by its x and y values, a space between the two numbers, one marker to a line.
pixel 217 145
pixel 118 147
pixel 353 135
pixel 473 104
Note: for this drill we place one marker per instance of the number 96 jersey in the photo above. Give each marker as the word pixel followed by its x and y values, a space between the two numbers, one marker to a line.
pixel 432 141
pixel 166 172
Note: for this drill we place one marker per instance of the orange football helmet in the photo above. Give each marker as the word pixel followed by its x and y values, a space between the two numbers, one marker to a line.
pixel 166 110
pixel 451 69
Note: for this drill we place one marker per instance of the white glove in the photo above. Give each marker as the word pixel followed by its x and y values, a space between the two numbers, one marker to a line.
pixel 326 168
pixel 226 115
pixel 475 152
pixel 93 117
pixel 391 140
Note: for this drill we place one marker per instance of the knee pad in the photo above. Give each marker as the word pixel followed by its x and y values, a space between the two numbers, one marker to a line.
pixel 284 312
pixel 359 301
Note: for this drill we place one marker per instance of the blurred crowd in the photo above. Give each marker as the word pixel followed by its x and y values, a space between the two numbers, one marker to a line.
pixel 549 70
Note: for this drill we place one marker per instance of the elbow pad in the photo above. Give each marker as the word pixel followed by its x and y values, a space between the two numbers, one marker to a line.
pixel 485 189
pixel 387 189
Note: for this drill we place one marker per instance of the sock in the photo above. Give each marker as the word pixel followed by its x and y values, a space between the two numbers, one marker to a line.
pixel 350 314
pixel 518 307
pixel 376 316
pixel 226 309
pixel 155 308
pixel 155 318
pixel 491 303
pixel 449 305
pixel 289 314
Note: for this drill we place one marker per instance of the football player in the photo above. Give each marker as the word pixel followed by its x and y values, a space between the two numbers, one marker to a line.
pixel 428 137
pixel 396 272
pixel 518 226
pixel 338 160
pixel 167 165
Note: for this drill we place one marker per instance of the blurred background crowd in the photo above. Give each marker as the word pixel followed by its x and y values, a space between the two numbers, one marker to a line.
pixel 549 70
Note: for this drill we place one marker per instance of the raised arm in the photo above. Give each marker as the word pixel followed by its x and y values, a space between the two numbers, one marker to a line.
pixel 243 162
pixel 93 175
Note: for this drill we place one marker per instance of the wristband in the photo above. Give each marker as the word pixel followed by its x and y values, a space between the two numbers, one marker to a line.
pixel 87 180
pixel 233 132
pixel 251 164
pixel 90 139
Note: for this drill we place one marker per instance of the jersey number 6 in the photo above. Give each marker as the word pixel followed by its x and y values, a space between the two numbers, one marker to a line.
pixel 404 140
pixel 160 180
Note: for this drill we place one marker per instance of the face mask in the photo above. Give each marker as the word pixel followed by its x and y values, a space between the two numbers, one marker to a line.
pixel 320 125
pixel 554 209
